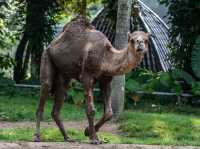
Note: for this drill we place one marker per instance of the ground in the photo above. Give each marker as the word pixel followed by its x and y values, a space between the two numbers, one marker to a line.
pixel 61 145
pixel 109 127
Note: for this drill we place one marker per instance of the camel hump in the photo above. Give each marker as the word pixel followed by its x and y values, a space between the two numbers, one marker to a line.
pixel 79 23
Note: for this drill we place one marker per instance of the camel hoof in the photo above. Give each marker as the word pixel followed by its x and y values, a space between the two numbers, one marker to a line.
pixel 37 139
pixel 96 142
pixel 86 132
pixel 70 140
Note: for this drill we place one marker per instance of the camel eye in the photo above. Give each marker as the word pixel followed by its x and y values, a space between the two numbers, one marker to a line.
pixel 146 41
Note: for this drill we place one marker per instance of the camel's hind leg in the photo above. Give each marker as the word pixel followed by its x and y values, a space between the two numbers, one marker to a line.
pixel 60 89
pixel 46 79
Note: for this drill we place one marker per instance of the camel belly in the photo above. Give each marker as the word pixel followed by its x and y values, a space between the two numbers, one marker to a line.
pixel 67 64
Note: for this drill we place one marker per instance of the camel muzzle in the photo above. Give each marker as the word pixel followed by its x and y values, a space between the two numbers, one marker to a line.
pixel 141 48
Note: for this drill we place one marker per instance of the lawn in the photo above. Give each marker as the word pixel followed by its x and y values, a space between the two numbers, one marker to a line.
pixel 23 108
pixel 53 135
pixel 140 125
pixel 165 128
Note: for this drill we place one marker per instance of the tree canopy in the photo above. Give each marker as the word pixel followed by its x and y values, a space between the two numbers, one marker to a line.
pixel 184 31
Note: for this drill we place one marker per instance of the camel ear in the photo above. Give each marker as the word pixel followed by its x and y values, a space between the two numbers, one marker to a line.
pixel 108 45
pixel 150 35
pixel 129 36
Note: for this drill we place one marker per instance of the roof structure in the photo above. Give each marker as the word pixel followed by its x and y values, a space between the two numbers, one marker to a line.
pixel 157 57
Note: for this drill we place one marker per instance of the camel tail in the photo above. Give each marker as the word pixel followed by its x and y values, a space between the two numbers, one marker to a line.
pixel 47 71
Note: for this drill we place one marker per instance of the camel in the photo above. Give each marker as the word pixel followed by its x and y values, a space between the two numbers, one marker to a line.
pixel 81 52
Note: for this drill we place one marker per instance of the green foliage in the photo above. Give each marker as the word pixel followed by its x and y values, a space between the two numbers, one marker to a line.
pixel 179 74
pixel 132 85
pixel 6 61
pixel 148 81
pixel 75 93
pixel 196 88
pixel 196 57
pixel 7 31
pixel 71 8
pixel 77 96
pixel 185 28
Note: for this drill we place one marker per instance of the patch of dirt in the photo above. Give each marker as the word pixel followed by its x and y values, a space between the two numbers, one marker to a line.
pixel 57 145
pixel 80 125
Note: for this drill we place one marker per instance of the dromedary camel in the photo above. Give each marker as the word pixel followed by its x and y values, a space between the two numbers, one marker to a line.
pixel 83 53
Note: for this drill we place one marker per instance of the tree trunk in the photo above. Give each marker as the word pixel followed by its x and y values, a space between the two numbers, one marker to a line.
pixel 36 48
pixel 36 23
pixel 35 65
pixel 82 7
pixel 122 28
pixel 25 63
pixel 18 69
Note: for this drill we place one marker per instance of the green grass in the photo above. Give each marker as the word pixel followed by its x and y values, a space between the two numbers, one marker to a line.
pixel 23 108
pixel 165 128
pixel 137 128
pixel 53 135
pixel 147 124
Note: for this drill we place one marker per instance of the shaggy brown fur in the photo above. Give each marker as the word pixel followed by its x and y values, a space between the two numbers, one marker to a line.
pixel 83 53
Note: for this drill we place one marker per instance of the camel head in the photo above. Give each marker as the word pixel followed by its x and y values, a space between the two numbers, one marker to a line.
pixel 138 42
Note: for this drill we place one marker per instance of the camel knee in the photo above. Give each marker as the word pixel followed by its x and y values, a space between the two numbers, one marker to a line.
pixel 90 111
pixel 108 115
pixel 39 114
pixel 46 86
pixel 54 115
pixel 90 114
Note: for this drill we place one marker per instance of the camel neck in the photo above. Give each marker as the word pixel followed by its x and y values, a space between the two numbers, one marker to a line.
pixel 122 62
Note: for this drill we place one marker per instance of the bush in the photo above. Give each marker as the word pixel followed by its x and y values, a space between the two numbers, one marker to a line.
pixel 176 81
pixel 6 85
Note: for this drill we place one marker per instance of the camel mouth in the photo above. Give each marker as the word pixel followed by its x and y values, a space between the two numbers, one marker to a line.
pixel 140 49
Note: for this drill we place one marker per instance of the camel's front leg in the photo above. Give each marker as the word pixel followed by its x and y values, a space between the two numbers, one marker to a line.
pixel 90 110
pixel 105 86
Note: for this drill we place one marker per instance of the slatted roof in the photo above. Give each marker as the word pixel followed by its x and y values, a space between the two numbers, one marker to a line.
pixel 155 25
pixel 157 57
